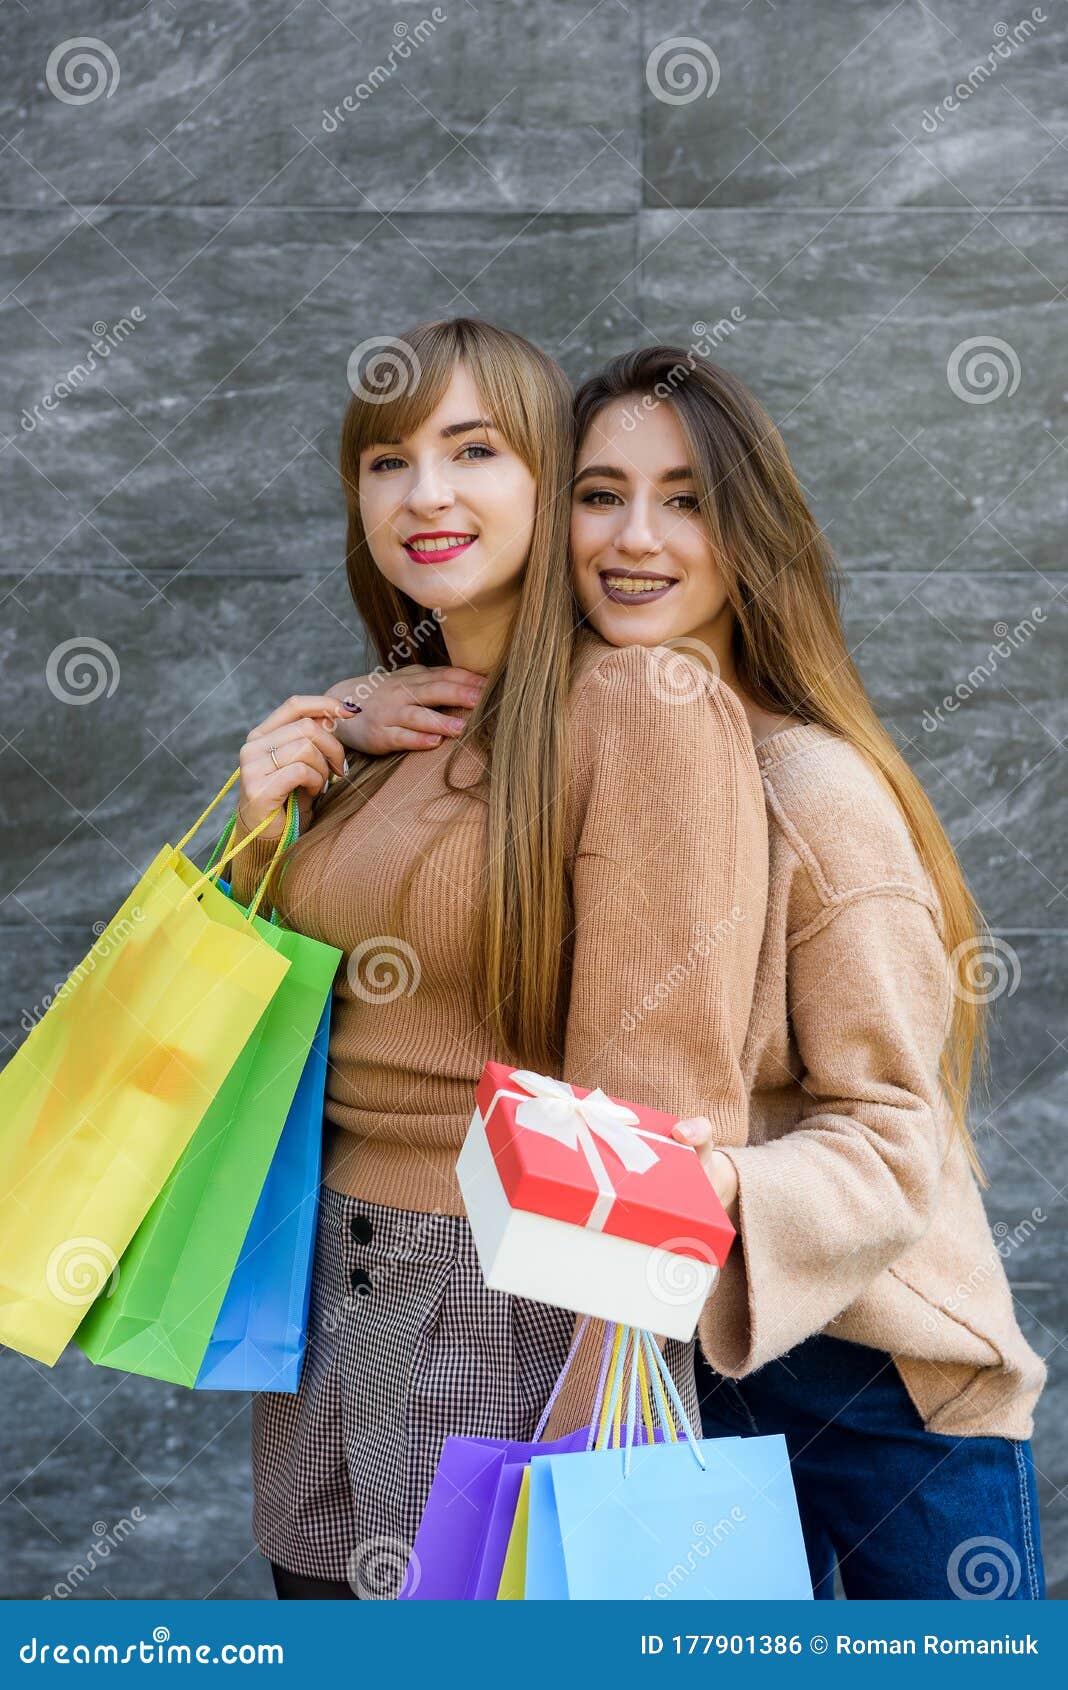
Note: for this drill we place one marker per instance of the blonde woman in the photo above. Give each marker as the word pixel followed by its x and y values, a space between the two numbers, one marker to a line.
pixel 509 894
pixel 864 1311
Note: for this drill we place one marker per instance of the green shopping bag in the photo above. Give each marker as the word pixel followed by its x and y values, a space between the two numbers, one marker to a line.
pixel 100 1100
pixel 158 1317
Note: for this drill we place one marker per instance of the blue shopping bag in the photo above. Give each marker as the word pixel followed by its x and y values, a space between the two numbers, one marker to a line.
pixel 668 1529
pixel 686 1519
pixel 259 1338
pixel 258 1341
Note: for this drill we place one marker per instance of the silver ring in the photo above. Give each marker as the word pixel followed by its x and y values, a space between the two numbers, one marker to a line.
pixel 274 759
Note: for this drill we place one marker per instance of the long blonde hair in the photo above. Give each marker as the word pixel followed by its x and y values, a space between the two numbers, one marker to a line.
pixel 790 651
pixel 520 940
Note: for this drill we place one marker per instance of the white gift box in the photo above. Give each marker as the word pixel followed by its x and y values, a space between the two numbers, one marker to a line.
pixel 576 1267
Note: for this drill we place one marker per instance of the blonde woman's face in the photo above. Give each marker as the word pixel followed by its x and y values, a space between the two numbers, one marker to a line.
pixel 449 512
pixel 644 568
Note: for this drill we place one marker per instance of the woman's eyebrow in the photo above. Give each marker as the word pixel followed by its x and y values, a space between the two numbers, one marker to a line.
pixel 446 433
pixel 608 472
pixel 603 472
pixel 466 427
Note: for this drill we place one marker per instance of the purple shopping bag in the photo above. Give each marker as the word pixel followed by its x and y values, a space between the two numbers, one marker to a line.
pixel 463 1534
pixel 489 1566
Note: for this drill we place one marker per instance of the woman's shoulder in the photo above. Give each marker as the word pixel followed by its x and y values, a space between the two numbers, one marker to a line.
pixel 653 732
pixel 669 688
pixel 839 815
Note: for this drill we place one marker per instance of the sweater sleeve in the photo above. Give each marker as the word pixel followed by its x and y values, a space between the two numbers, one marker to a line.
pixel 825 1208
pixel 669 893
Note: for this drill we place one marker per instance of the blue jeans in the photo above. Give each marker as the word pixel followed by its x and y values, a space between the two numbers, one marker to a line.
pixel 902 1511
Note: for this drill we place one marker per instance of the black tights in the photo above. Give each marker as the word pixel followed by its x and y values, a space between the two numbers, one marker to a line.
pixel 298 1586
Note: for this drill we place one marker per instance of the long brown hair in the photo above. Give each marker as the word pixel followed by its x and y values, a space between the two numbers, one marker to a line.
pixel 789 647
pixel 519 724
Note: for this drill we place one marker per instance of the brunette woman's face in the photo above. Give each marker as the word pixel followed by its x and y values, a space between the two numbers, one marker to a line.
pixel 644 569
pixel 449 511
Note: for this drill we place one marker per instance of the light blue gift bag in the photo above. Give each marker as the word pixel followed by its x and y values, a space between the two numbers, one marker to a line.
pixel 711 1519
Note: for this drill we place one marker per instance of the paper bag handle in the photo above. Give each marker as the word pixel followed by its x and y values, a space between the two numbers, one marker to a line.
pixel 228 856
pixel 646 1357
pixel 215 863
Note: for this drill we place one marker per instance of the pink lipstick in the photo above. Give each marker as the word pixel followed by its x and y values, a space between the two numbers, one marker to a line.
pixel 438 546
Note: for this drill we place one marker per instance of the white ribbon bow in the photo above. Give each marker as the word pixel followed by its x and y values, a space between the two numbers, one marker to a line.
pixel 553 1109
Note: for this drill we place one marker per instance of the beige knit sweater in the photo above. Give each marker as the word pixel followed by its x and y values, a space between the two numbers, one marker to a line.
pixel 853 1218
pixel 858 1213
pixel 666 842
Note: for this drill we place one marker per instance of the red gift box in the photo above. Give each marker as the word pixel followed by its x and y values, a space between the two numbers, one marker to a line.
pixel 611 1166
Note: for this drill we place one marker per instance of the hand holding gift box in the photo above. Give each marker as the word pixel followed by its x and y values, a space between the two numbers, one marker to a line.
pixel 587 1203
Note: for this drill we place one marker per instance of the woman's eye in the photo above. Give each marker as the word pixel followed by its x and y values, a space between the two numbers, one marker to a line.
pixel 685 501
pixel 477 446
pixel 600 497
pixel 386 463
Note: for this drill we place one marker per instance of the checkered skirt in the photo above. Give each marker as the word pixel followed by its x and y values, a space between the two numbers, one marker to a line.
pixel 407 1345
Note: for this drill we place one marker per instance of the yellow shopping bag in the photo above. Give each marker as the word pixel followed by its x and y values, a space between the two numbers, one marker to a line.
pixel 101 1099
pixel 514 1572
